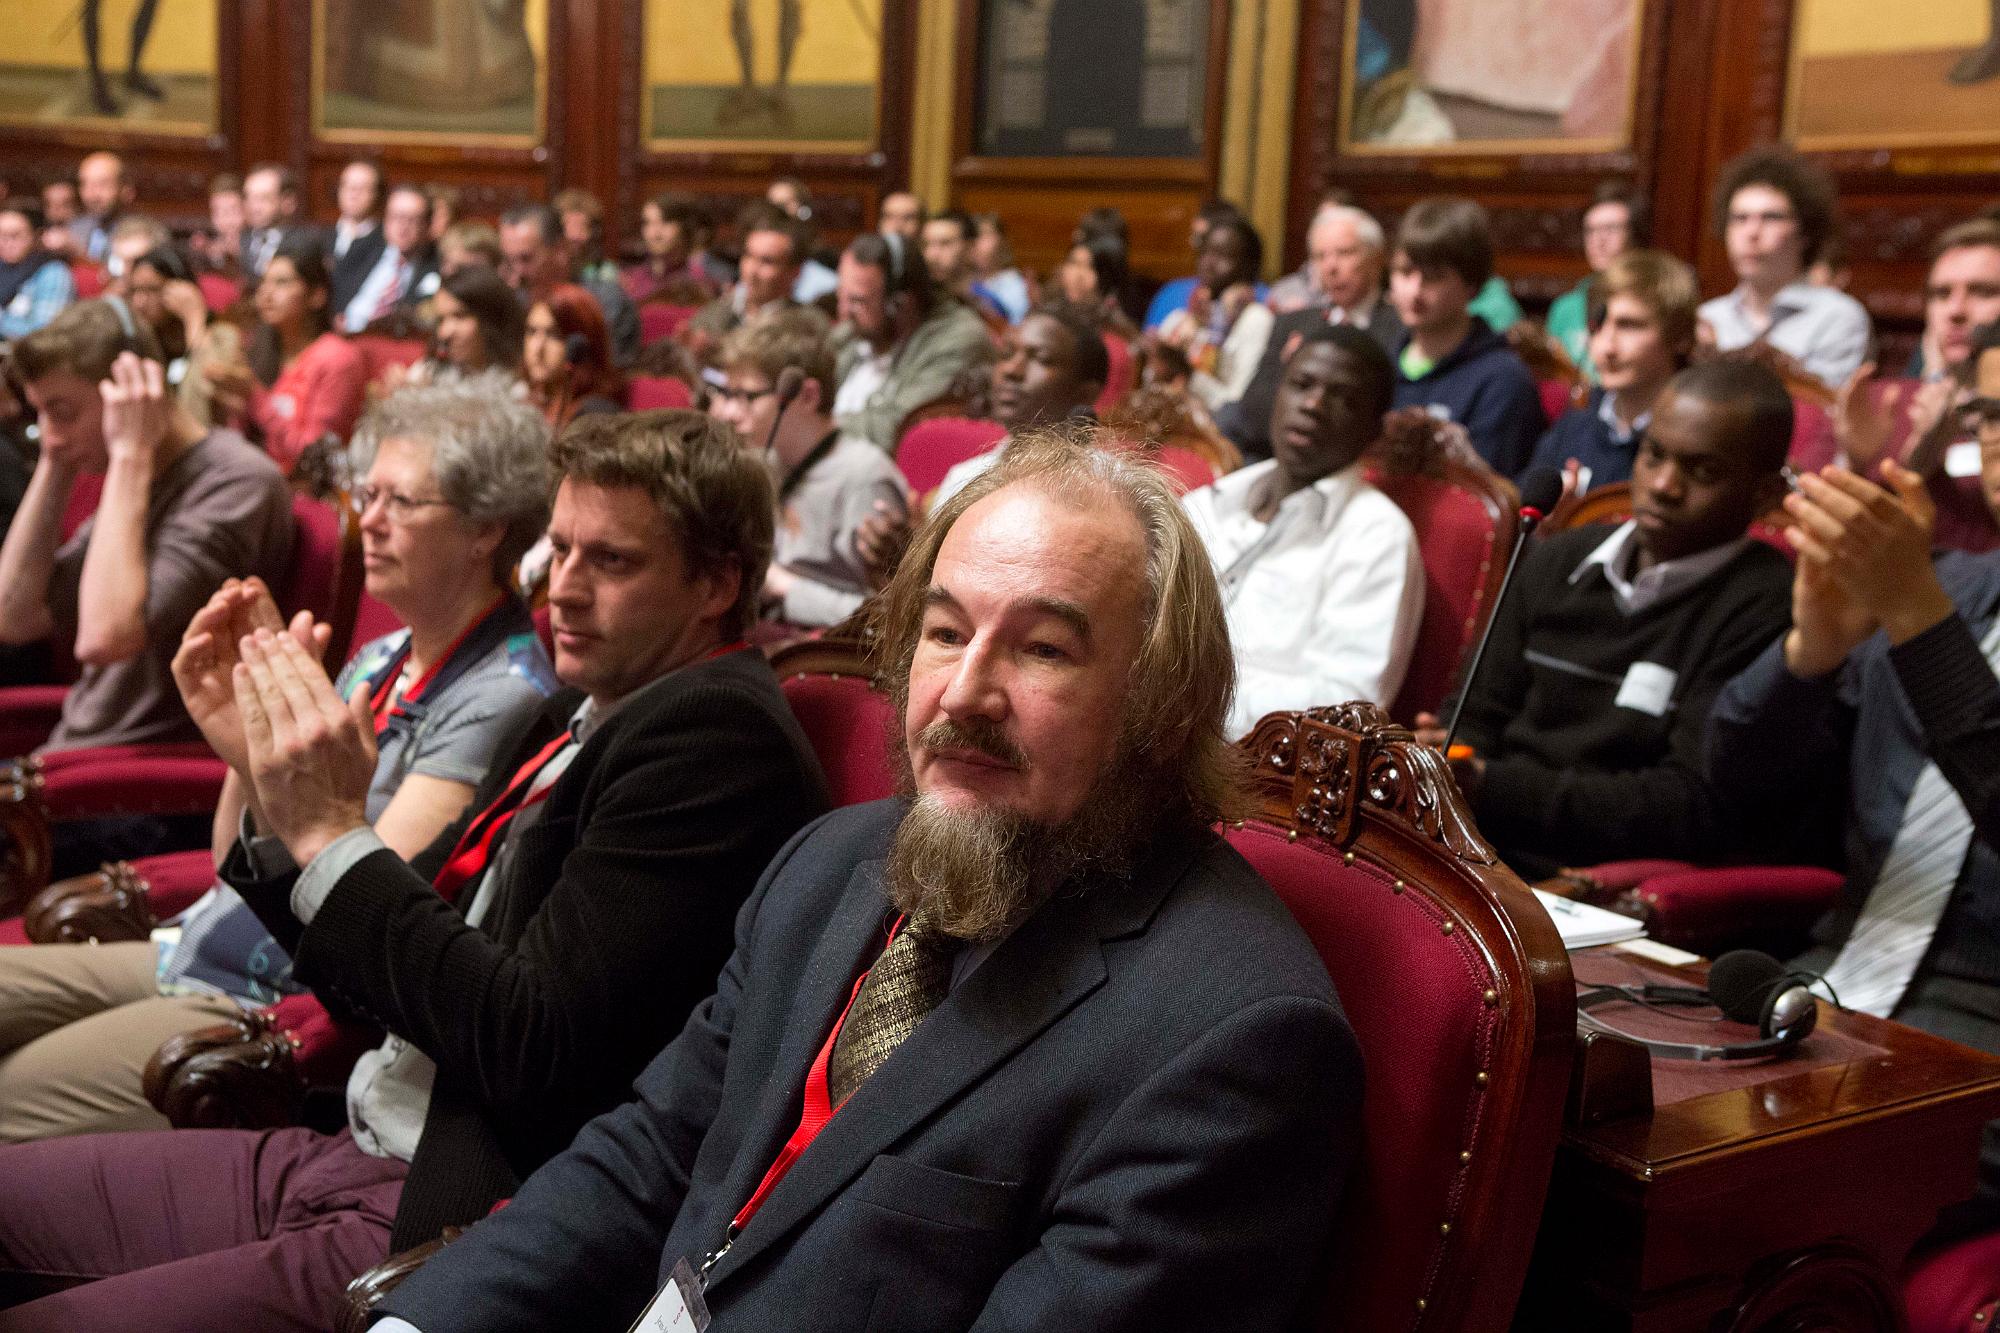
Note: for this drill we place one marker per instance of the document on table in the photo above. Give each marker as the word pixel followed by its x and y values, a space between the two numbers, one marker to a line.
pixel 1585 927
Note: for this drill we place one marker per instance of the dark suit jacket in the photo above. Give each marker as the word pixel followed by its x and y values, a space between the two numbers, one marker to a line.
pixel 610 922
pixel 1137 1113
pixel 352 268
pixel 1247 421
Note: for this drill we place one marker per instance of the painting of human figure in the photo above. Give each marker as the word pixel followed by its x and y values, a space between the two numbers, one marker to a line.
pixel 141 65
pixel 1869 75
pixel 441 71
pixel 1490 75
pixel 762 74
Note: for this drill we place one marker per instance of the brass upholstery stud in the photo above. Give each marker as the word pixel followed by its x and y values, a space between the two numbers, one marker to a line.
pixel 1492 997
pixel 1447 927
pixel 1292 835
pixel 1399 886
pixel 1465 1158
pixel 1347 858
pixel 1479 1079
pixel 1421 1305
pixel 1444 1228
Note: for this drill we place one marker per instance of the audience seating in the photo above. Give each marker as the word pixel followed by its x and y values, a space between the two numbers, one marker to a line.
pixel 658 320
pixel 645 393
pixel 932 448
pixel 89 280
pixel 1459 991
pixel 850 723
pixel 379 352
pixel 39 790
pixel 1188 469
pixel 121 901
pixel 217 292
pixel 1465 517
pixel 1954 1288
pixel 1124 376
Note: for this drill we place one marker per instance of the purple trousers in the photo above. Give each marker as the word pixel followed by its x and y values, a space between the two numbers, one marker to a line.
pixel 193 1230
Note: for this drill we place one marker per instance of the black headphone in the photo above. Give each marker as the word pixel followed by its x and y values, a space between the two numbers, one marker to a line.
pixel 1747 986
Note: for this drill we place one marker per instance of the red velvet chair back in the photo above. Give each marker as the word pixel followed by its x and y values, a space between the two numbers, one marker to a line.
pixel 89 280
pixel 1612 503
pixel 828 683
pixel 1124 375
pixel 1189 470
pixel 82 501
pixel 372 619
pixel 217 292
pixel 1465 524
pixel 658 320
pixel 932 448
pixel 1459 991
pixel 379 352
pixel 646 393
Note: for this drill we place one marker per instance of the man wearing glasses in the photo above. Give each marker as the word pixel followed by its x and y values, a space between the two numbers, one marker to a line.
pixel 1775 212
pixel 1881 703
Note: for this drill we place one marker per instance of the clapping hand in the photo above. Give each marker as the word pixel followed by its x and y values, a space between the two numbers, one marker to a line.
pixel 311 753
pixel 1864 562
pixel 204 665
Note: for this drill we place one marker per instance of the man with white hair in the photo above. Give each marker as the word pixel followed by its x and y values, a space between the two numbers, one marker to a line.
pixel 1345 249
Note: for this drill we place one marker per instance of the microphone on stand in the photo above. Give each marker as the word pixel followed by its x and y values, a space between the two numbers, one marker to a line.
pixel 790 380
pixel 1540 490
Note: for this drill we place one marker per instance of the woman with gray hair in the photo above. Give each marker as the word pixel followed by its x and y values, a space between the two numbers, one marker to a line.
pixel 454 486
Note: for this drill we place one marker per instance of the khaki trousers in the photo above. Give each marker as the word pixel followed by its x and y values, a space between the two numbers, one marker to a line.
pixel 78 1022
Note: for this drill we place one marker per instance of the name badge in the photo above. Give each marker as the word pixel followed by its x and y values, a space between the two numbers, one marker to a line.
pixel 679 1308
pixel 1648 688
pixel 1962 459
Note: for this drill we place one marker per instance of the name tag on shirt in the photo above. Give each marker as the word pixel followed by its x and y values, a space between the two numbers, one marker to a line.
pixel 679 1308
pixel 1648 688
pixel 1962 459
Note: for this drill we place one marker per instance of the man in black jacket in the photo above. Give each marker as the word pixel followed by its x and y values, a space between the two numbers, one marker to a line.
pixel 1586 719
pixel 530 963
pixel 1074 1059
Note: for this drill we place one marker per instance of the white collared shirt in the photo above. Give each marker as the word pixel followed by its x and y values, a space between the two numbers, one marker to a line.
pixel 376 286
pixel 1619 552
pixel 1324 601
pixel 1621 434
pixel 1824 328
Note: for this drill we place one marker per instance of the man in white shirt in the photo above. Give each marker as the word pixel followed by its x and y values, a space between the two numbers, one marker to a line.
pixel 1775 212
pixel 1319 570
pixel 393 279
pixel 354 241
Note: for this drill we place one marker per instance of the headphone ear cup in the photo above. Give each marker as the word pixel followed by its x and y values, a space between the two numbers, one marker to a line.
pixel 1789 1011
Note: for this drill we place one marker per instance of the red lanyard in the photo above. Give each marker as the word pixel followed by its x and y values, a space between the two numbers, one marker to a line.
pixel 817 1111
pixel 469 857
pixel 378 702
pixel 475 845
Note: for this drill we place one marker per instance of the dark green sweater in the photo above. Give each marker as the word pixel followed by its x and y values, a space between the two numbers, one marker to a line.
pixel 1574 778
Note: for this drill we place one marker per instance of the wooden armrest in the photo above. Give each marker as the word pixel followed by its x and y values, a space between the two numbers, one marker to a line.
pixel 91 909
pixel 25 848
pixel 366 1291
pixel 240 1074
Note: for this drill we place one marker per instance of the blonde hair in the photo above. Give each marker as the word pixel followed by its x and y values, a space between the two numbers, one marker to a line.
pixel 1660 282
pixel 1185 675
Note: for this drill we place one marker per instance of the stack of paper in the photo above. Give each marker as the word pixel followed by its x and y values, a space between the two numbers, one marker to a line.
pixel 1585 927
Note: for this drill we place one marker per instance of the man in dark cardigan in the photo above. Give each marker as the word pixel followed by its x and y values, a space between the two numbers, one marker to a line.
pixel 525 968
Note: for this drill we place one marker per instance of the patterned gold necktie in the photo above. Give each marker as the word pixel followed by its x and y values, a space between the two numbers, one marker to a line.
pixel 910 979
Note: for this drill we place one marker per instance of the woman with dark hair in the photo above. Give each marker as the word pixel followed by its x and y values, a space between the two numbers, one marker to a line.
pixel 566 357
pixel 299 381
pixel 479 327
pixel 1093 276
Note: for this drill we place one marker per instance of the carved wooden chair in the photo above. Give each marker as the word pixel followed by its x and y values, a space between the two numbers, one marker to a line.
pixel 1459 990
pixel 37 791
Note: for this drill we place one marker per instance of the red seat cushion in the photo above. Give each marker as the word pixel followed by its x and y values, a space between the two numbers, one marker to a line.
pixel 1710 906
pixel 217 292
pixel 647 393
pixel 1415 997
pixel 28 713
pixel 130 780
pixel 325 1048
pixel 175 879
pixel 1455 540
pixel 1954 1289
pixel 848 724
pixel 1123 375
pixel 932 448
pixel 659 320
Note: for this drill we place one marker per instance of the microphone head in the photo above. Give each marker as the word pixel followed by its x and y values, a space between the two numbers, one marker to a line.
pixel 1540 490
pixel 576 350
pixel 1740 982
pixel 790 380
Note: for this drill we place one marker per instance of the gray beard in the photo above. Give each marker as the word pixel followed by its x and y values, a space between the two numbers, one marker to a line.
pixel 977 875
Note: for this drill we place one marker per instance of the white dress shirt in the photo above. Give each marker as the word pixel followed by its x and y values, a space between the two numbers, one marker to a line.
pixel 1634 592
pixel 393 271
pixel 1324 601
